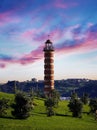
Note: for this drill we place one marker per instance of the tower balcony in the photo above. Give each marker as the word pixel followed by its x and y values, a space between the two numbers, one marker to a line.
pixel 48 48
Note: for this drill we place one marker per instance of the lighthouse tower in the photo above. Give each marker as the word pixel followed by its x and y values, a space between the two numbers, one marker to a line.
pixel 48 67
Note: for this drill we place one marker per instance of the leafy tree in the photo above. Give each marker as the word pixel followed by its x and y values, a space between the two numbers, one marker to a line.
pixel 74 96
pixel 31 93
pixel 22 106
pixel 49 103
pixel 3 106
pixel 93 105
pixel 85 98
pixel 55 97
pixel 75 107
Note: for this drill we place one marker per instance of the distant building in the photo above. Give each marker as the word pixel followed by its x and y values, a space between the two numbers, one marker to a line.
pixel 34 80
pixel 48 67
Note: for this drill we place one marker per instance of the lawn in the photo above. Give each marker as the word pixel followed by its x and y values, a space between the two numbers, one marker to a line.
pixel 39 121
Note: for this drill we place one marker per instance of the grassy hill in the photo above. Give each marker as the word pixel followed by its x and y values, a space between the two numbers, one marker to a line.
pixel 39 121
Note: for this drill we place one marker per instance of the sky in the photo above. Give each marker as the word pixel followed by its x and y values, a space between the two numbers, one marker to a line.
pixel 24 29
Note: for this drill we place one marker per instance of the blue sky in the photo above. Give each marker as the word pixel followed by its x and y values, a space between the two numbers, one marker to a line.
pixel 25 26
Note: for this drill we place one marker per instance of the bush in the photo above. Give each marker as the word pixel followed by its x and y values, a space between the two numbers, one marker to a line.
pixel 22 106
pixel 55 97
pixel 74 96
pixel 93 105
pixel 75 107
pixel 49 103
pixel 3 106
pixel 85 98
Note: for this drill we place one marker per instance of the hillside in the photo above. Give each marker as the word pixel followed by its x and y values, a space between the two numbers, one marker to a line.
pixel 65 87
pixel 39 121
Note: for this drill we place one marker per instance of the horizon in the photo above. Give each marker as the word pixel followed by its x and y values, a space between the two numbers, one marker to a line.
pixel 30 80
pixel 25 26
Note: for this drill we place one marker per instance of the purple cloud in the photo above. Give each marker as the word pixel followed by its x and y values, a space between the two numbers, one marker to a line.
pixel 32 57
pixel 2 65
pixel 77 44
pixel 8 17
pixel 64 5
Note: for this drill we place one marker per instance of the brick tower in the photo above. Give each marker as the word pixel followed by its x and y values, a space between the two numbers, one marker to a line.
pixel 48 67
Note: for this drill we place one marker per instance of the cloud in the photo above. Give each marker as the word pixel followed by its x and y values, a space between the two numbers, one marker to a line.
pixel 7 17
pixel 5 57
pixel 2 65
pixel 81 42
pixel 76 41
pixel 63 5
pixel 37 34
pixel 32 57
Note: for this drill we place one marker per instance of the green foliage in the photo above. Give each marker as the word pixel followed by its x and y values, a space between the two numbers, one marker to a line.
pixel 49 103
pixel 93 105
pixel 74 96
pixel 75 107
pixel 22 106
pixel 55 97
pixel 31 94
pixel 3 106
pixel 85 98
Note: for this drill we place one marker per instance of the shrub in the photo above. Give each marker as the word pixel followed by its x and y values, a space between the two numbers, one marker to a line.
pixel 49 103
pixel 93 105
pixel 85 98
pixel 55 97
pixel 3 106
pixel 75 107
pixel 22 106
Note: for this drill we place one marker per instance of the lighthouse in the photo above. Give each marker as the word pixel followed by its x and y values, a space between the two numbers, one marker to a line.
pixel 48 67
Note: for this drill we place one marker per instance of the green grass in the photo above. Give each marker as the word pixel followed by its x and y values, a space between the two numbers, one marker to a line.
pixel 6 95
pixel 39 121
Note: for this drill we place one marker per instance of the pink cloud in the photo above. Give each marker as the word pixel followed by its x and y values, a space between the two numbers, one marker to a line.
pixel 36 55
pixel 37 34
pixel 32 57
pixel 28 34
pixel 6 17
pixel 89 44
pixel 40 35
pixel 2 65
pixel 64 5
pixel 84 45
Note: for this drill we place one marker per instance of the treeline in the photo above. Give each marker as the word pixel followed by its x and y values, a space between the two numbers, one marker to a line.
pixel 64 87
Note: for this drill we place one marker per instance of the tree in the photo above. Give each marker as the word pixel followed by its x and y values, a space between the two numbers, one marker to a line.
pixel 74 96
pixel 85 98
pixel 75 107
pixel 3 106
pixel 49 103
pixel 22 106
pixel 55 97
pixel 93 105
